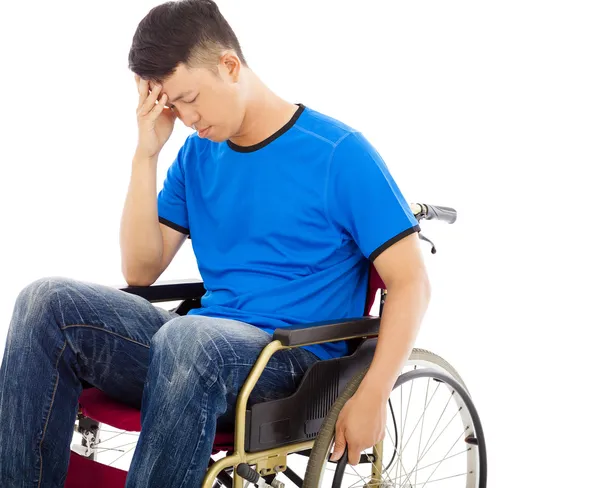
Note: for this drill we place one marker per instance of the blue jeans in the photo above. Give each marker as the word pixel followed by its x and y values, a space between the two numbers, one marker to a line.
pixel 184 372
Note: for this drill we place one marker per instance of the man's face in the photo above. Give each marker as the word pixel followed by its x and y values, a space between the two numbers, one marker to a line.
pixel 207 102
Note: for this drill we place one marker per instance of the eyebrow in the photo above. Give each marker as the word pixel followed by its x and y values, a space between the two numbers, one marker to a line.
pixel 181 96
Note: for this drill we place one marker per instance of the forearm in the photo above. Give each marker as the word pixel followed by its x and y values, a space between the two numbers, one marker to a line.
pixel 140 235
pixel 401 319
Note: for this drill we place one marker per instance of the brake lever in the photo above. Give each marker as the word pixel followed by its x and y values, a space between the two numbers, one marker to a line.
pixel 423 238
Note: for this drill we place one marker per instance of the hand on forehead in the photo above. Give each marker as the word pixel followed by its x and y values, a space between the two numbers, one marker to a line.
pixel 152 84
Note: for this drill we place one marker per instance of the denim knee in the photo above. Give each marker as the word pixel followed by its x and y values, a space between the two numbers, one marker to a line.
pixel 43 291
pixel 194 342
pixel 34 304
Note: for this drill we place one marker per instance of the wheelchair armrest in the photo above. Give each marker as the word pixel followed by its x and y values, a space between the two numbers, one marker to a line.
pixel 168 290
pixel 329 331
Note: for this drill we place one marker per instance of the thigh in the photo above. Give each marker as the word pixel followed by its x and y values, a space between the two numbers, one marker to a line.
pixel 106 332
pixel 280 378
pixel 228 349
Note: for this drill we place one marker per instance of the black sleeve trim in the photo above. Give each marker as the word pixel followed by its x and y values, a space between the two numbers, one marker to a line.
pixel 173 225
pixel 393 240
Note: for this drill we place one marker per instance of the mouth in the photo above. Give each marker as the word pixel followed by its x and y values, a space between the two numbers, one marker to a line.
pixel 204 132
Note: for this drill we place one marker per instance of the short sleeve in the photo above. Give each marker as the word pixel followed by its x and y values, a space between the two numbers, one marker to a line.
pixel 363 199
pixel 172 208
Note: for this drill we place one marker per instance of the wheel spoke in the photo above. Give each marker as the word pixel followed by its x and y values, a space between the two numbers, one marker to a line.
pixel 422 424
pixel 114 461
pixel 110 438
pixel 407 476
pixel 408 406
pixel 444 458
pixel 401 433
pixel 398 462
pixel 439 419
pixel 427 447
pixel 421 417
pixel 438 479
pixel 462 433
pixel 119 431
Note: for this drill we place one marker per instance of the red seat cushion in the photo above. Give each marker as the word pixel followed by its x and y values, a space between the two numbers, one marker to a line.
pixel 99 406
pixel 85 472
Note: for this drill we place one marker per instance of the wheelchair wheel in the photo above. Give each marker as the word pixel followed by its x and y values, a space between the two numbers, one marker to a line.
pixel 433 437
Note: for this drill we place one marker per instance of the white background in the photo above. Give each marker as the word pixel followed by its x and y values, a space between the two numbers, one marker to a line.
pixel 490 108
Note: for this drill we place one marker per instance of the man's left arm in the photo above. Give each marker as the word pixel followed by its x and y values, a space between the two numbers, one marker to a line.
pixel 402 269
pixel 361 423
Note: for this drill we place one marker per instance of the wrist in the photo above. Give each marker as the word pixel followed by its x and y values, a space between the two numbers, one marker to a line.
pixel 143 157
pixel 375 386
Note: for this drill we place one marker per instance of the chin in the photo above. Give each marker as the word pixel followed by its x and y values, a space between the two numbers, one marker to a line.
pixel 217 137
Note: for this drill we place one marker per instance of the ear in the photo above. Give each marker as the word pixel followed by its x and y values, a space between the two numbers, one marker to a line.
pixel 231 65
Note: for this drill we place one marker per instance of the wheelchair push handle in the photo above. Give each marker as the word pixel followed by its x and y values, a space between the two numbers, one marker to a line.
pixel 434 212
pixel 445 214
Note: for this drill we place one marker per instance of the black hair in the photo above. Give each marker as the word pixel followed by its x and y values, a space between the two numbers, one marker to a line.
pixel 193 32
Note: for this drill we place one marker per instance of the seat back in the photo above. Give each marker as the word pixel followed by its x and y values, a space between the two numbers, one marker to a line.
pixel 375 284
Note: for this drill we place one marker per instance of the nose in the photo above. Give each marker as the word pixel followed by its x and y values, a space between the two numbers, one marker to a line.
pixel 190 122
pixel 189 118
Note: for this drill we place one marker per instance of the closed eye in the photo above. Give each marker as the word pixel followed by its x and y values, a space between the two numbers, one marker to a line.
pixel 172 107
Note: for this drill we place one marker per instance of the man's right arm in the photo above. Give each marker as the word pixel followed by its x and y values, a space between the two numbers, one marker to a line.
pixel 147 246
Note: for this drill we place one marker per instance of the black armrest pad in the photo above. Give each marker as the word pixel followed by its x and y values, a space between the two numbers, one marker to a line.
pixel 329 331
pixel 167 291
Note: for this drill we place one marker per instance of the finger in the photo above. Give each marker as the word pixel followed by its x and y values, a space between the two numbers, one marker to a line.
pixel 150 101
pixel 159 107
pixel 158 86
pixel 340 445
pixel 353 456
pixel 142 91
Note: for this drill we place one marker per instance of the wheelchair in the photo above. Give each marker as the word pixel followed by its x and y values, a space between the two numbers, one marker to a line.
pixel 295 435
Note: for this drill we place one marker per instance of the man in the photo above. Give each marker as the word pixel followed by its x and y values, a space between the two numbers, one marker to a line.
pixel 285 208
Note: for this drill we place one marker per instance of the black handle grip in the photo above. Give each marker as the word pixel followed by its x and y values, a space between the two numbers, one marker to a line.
pixel 246 472
pixel 445 214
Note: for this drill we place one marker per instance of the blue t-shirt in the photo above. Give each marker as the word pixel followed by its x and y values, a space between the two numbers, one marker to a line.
pixel 283 230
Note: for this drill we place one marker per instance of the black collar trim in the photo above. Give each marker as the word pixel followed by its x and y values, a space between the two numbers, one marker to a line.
pixel 271 138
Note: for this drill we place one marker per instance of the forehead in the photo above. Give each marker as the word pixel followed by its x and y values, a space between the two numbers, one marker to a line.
pixel 182 80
